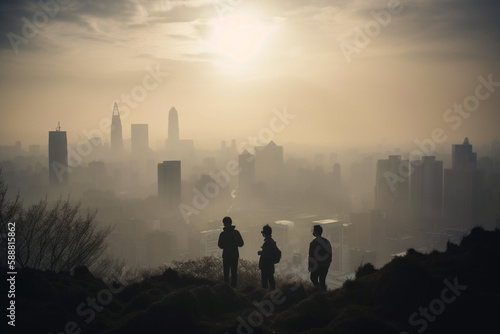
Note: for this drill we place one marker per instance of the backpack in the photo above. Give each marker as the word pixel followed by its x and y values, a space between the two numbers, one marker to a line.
pixel 276 254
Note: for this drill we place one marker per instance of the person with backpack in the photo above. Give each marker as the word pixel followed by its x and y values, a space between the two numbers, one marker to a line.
pixel 229 241
pixel 320 257
pixel 268 257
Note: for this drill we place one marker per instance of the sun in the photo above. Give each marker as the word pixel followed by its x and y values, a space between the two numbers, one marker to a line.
pixel 239 37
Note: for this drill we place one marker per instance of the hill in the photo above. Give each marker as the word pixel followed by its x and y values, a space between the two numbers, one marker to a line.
pixel 455 291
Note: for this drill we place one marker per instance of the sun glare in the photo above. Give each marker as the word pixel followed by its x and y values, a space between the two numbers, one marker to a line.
pixel 239 37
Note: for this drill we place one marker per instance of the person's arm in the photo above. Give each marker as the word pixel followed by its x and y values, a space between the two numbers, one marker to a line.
pixel 330 251
pixel 240 240
pixel 311 257
pixel 266 250
pixel 220 243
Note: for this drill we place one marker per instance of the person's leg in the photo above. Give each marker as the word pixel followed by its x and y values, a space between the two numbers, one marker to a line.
pixel 323 271
pixel 272 283
pixel 263 276
pixel 225 267
pixel 234 272
pixel 314 277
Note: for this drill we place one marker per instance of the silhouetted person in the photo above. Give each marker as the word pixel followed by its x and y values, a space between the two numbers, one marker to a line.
pixel 320 257
pixel 266 263
pixel 229 241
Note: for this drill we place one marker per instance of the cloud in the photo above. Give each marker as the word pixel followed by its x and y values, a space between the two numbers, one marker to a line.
pixel 458 29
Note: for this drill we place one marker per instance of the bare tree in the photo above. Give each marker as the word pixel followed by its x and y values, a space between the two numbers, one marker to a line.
pixel 56 238
pixel 9 209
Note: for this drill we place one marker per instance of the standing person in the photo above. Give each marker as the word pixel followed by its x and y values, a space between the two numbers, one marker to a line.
pixel 229 241
pixel 266 263
pixel 320 257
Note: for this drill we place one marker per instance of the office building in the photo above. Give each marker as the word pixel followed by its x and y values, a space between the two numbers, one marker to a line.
pixel 269 165
pixel 116 132
pixel 392 192
pixel 426 194
pixel 169 183
pixel 463 184
pixel 58 157
pixel 246 177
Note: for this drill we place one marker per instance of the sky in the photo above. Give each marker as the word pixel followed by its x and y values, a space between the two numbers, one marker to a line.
pixel 327 73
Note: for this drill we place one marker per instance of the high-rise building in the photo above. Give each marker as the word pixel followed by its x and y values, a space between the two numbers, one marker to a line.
pixel 336 188
pixel 58 157
pixel 139 139
pixel 246 177
pixel 462 156
pixel 463 184
pixel 169 183
pixel 209 243
pixel 178 149
pixel 269 165
pixel 336 176
pixel 392 192
pixel 116 131
pixel 426 194
pixel 173 126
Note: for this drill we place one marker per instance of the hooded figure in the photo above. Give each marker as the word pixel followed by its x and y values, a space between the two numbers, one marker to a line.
pixel 229 241
pixel 266 264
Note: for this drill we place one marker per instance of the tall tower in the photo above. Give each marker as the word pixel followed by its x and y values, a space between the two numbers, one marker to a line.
pixel 173 126
pixel 169 183
pixel 392 192
pixel 336 190
pixel 58 156
pixel 116 131
pixel 269 165
pixel 246 177
pixel 426 194
pixel 463 184
pixel 463 157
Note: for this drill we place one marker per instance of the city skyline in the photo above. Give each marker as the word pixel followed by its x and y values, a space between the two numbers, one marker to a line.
pixel 262 140
pixel 151 146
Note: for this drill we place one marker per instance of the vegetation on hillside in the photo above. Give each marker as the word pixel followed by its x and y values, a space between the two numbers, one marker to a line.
pixel 455 291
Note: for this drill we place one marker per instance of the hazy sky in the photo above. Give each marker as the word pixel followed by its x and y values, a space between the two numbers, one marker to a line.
pixel 355 72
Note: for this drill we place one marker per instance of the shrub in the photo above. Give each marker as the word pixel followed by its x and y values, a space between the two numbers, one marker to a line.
pixel 364 270
pixel 56 238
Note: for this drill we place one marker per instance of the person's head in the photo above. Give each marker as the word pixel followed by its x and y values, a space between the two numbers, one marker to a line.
pixel 317 230
pixel 267 231
pixel 227 221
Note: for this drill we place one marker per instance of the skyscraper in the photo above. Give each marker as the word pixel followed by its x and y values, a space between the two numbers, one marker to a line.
pixel 58 156
pixel 392 192
pixel 463 184
pixel 173 126
pixel 246 177
pixel 462 156
pixel 116 131
pixel 336 188
pixel 426 194
pixel 177 148
pixel 269 164
pixel 169 183
pixel 139 139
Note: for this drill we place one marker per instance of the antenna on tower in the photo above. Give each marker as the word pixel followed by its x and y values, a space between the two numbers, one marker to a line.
pixel 58 126
pixel 116 108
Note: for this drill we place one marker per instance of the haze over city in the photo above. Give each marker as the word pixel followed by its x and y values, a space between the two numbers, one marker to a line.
pixel 157 124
